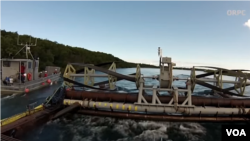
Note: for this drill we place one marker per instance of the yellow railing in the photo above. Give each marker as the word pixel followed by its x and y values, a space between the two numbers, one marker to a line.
pixel 19 116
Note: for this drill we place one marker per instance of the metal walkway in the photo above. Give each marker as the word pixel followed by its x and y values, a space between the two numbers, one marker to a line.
pixel 7 138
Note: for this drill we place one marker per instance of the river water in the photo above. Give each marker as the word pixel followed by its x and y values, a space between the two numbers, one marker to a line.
pixel 74 127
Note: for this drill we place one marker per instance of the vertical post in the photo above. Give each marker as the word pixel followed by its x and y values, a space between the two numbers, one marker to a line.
pixel 175 97
pixel 140 91
pixel 34 69
pixel 112 79
pixel 160 55
pixel 189 93
pixel 154 95
pixel 20 77
pixel 28 106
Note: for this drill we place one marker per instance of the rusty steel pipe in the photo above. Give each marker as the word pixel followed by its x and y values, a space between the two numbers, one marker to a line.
pixel 163 117
pixel 132 98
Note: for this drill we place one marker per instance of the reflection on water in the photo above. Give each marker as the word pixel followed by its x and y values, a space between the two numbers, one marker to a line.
pixel 73 127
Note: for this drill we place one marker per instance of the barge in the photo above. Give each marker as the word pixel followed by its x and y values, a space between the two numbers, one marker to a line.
pixel 23 75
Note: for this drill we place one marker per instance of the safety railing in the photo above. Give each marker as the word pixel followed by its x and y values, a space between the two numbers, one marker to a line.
pixel 21 115
pixel 32 84
pixel 48 99
pixel 40 81
pixel 43 79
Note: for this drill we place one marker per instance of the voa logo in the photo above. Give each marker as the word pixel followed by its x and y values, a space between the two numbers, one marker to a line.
pixel 236 132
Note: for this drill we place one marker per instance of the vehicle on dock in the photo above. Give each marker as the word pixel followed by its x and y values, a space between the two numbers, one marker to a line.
pixel 23 75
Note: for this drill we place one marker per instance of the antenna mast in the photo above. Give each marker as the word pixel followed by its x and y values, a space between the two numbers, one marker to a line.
pixel 160 54
pixel 26 46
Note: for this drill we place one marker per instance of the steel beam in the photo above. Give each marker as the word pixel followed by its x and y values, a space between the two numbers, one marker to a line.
pixel 241 85
pixel 200 79
pixel 87 79
pixel 218 78
pixel 112 79
pixel 69 70
pixel 236 73
pixel 157 101
pixel 115 74
pixel 138 76
pixel 106 75
pixel 221 81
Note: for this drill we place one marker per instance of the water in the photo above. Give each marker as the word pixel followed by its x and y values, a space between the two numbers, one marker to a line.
pixel 73 127
pixel 14 104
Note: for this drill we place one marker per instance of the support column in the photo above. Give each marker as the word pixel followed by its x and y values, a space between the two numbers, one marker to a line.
pixel 140 95
pixel 189 93
pixel 175 97
pixel 166 73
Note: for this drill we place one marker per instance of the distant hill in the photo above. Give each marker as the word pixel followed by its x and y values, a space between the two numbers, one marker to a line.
pixel 52 53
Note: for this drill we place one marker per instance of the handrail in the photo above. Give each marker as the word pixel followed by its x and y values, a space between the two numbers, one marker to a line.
pixel 32 84
pixel 52 77
pixel 50 97
pixel 45 78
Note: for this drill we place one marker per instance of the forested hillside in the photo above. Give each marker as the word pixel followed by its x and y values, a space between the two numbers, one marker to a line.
pixel 53 53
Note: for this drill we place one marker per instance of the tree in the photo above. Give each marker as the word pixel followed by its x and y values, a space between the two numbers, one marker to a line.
pixel 53 53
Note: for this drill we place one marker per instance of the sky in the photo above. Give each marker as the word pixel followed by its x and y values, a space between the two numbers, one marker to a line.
pixel 191 33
